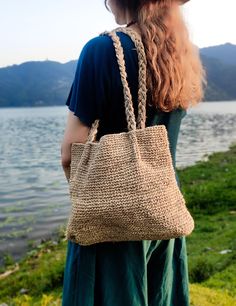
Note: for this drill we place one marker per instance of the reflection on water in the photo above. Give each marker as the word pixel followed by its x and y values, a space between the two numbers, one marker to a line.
pixel 34 197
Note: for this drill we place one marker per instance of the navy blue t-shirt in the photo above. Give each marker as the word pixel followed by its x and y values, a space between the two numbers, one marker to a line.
pixel 97 92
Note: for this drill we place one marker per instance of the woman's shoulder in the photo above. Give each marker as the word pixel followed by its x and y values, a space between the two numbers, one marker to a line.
pixel 103 44
pixel 97 52
pixel 98 45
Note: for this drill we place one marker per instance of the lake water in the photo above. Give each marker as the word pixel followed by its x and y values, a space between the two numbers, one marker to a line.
pixel 34 195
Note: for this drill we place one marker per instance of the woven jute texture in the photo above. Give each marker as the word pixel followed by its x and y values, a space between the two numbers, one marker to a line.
pixel 123 187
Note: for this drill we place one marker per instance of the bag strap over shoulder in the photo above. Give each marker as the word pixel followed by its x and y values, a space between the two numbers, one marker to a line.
pixel 142 89
pixel 142 61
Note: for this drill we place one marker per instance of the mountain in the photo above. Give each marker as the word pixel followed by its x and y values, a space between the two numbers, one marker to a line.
pixel 48 82
pixel 36 83
pixel 225 53
pixel 221 79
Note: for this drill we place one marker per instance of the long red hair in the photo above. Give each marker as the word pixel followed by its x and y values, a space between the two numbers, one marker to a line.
pixel 175 73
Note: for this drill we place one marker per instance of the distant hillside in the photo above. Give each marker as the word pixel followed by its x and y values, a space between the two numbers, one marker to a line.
pixel 221 80
pixel 48 82
pixel 36 83
pixel 225 53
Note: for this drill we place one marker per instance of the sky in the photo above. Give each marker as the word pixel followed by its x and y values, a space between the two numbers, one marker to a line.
pixel 58 29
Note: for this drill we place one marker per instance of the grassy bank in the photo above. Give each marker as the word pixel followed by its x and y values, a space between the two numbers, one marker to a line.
pixel 210 191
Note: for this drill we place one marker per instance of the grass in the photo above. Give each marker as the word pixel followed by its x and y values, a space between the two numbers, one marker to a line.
pixel 213 234
pixel 40 272
pixel 209 188
pixel 202 296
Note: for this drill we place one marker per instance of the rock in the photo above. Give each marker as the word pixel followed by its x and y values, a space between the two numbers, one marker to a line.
pixel 9 272
pixel 207 249
pixel 225 252
pixel 23 291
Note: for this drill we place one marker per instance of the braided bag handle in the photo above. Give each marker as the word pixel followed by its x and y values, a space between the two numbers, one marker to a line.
pixel 142 91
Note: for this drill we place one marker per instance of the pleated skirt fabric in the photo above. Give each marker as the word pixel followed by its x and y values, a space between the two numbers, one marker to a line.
pixel 133 273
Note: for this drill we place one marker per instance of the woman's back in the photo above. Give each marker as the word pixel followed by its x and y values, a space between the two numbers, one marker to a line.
pixel 97 91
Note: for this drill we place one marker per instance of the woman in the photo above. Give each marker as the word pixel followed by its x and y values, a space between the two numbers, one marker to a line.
pixel 136 273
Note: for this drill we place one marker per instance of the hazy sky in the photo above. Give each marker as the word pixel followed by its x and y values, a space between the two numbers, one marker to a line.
pixel 57 29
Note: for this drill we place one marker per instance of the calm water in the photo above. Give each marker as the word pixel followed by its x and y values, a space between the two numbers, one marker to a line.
pixel 34 198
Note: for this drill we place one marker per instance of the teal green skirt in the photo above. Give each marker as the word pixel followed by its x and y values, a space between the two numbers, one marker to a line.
pixel 134 273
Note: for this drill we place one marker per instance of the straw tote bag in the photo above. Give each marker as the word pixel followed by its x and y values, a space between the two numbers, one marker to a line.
pixel 123 187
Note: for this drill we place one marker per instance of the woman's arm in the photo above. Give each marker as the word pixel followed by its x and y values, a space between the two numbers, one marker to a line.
pixel 89 96
pixel 75 131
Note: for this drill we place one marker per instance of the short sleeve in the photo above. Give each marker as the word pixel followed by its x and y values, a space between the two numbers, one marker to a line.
pixel 90 90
